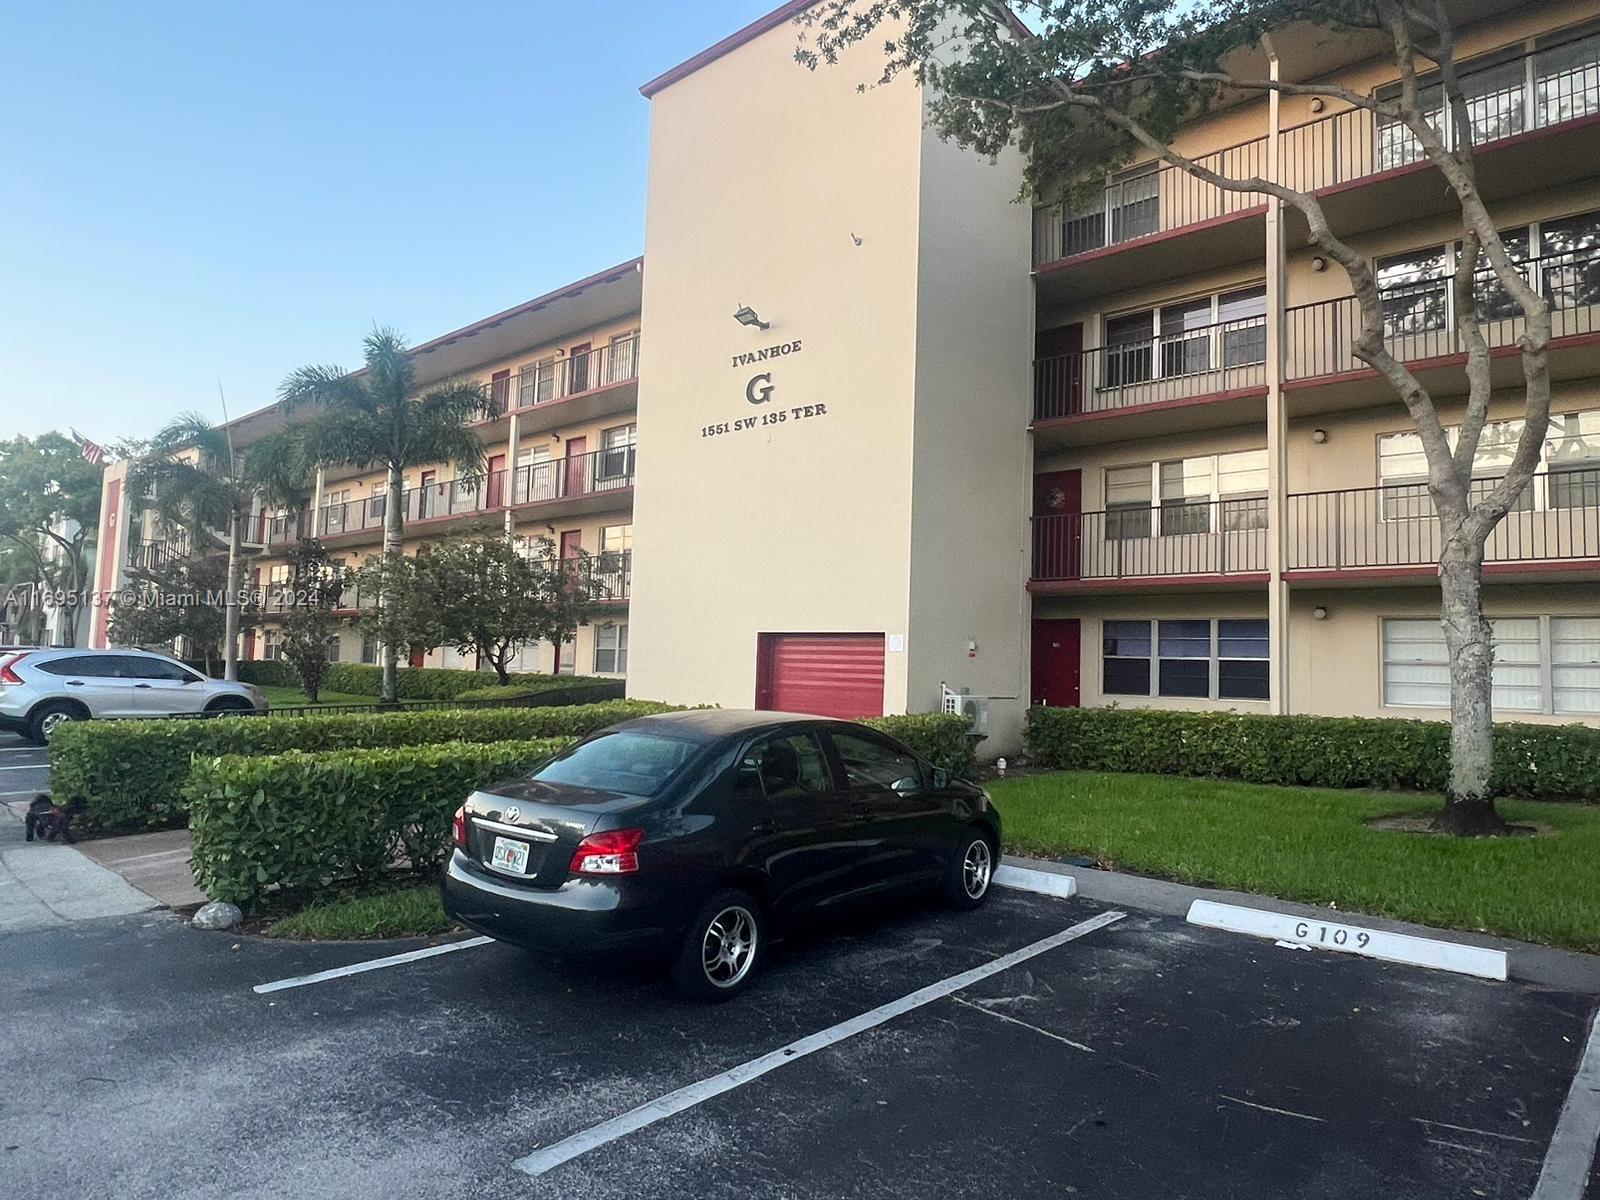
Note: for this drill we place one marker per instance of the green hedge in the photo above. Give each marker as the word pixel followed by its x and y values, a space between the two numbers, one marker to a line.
pixel 509 691
pixel 303 822
pixel 1546 762
pixel 943 739
pixel 411 683
pixel 132 772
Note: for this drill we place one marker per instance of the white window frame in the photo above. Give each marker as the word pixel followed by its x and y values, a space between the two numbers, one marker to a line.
pixel 1214 659
pixel 1212 331
pixel 618 649
pixel 1546 665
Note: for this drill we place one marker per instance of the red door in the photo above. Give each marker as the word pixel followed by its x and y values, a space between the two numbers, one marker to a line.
pixel 499 393
pixel 1058 372
pixel 495 489
pixel 417 657
pixel 1057 662
pixel 571 543
pixel 826 674
pixel 578 368
pixel 1058 524
pixel 577 465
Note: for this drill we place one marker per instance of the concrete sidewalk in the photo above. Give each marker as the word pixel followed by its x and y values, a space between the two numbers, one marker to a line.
pixel 155 863
pixel 45 886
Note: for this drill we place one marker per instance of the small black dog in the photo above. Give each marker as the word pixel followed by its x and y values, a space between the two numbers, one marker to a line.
pixel 48 821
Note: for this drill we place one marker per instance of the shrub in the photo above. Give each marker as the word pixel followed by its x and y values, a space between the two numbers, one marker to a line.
pixel 509 691
pixel 1547 762
pixel 305 822
pixel 132 772
pixel 944 739
pixel 411 683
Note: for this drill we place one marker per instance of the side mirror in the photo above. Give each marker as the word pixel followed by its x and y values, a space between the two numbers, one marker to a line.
pixel 941 777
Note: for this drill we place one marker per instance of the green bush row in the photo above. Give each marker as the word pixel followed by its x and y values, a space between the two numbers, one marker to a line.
pixel 411 683
pixel 132 772
pixel 944 739
pixel 303 822
pixel 1546 762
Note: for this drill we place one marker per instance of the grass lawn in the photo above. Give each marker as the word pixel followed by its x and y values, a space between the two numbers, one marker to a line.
pixel 1310 844
pixel 284 697
pixel 406 912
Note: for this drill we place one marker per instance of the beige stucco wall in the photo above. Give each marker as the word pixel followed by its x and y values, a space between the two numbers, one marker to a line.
pixel 788 191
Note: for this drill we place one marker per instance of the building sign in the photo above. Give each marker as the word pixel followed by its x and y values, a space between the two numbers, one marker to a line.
pixel 763 390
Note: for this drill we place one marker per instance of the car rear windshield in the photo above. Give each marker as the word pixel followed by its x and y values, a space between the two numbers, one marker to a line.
pixel 636 764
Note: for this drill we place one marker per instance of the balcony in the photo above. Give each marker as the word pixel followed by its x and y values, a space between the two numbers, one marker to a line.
pixel 579 387
pixel 1219 363
pixel 1421 331
pixel 1531 113
pixel 1355 535
pixel 1209 544
pixel 592 482
pixel 153 555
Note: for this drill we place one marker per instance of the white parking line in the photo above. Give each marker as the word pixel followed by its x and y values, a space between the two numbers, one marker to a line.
pixel 44 766
pixel 374 964
pixel 1565 1175
pixel 685 1098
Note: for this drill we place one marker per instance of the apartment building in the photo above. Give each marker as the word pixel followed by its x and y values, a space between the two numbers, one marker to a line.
pixel 907 438
pixel 1229 510
pixel 560 453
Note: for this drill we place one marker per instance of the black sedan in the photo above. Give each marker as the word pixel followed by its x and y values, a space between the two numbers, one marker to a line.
pixel 700 834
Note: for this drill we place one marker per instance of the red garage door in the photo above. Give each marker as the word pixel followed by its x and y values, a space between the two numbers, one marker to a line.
pixel 828 674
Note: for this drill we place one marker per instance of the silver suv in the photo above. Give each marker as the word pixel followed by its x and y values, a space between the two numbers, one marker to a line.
pixel 42 689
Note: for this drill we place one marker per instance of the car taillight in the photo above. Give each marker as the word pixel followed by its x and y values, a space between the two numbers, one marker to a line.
pixel 7 675
pixel 458 827
pixel 614 852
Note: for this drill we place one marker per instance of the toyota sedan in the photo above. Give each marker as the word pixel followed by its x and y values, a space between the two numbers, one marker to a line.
pixel 701 835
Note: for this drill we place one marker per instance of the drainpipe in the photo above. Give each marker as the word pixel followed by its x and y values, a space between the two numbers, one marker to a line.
pixel 1277 422
pixel 508 484
pixel 316 507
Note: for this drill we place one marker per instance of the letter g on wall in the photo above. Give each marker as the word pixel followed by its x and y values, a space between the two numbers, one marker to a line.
pixel 759 389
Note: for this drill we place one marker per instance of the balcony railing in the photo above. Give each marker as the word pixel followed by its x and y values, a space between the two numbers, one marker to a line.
pixel 1200 361
pixel 616 362
pixel 1557 519
pixel 1420 322
pixel 151 556
pixel 1211 537
pixel 610 572
pixel 598 471
pixel 1558 83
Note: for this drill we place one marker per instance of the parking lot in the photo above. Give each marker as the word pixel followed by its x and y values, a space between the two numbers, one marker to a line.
pixel 1115 1056
pixel 24 769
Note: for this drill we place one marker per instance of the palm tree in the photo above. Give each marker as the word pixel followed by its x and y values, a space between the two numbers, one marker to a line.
pixel 376 417
pixel 195 480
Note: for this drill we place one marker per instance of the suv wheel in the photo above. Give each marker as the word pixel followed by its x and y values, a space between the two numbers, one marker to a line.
pixel 48 717
pixel 724 944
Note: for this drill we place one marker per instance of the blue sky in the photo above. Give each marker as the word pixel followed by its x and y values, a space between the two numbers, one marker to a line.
pixel 197 190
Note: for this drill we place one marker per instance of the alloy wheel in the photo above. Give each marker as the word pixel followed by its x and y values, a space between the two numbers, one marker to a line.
pixel 977 868
pixel 729 946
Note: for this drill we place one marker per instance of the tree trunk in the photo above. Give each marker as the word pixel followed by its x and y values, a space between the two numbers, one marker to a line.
pixel 393 536
pixel 1469 801
pixel 230 633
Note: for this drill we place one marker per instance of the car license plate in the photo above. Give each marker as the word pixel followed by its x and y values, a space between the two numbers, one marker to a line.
pixel 509 855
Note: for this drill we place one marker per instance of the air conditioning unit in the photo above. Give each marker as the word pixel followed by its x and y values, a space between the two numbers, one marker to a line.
pixel 974 708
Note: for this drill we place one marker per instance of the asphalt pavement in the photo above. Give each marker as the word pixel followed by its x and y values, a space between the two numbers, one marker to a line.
pixel 1129 1056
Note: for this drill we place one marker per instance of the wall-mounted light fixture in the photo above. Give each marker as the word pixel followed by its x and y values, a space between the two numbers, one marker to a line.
pixel 1319 613
pixel 1319 436
pixel 1319 263
pixel 746 315
pixel 1316 104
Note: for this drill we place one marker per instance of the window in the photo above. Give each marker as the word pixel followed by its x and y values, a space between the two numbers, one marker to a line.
pixel 622 363
pixel 271 644
pixel 536 476
pixel 567 657
pixel 1570 463
pixel 617 451
pixel 784 768
pixel 1569 264
pixel 1224 659
pixel 1243 315
pixel 84 666
pixel 614 539
pixel 1187 338
pixel 155 668
pixel 872 765
pixel 1185 344
pixel 1541 664
pixel 1415 291
pixel 369 649
pixel 331 648
pixel 1233 485
pixel 627 761
pixel 611 649
pixel 1566 79
pixel 1129 350
pixel 1134 198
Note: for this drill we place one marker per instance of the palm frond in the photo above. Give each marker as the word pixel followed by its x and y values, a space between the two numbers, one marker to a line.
pixel 326 385
pixel 279 467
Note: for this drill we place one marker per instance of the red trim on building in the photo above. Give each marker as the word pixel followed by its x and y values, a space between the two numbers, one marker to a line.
pixel 1065 587
pixel 112 521
pixel 1153 406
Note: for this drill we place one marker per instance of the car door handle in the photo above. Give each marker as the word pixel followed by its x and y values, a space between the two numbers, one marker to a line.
pixel 74 683
pixel 141 685
pixel 764 827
